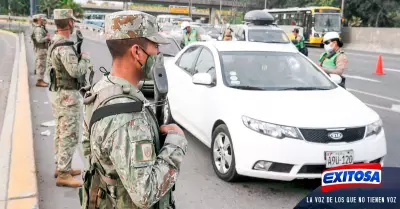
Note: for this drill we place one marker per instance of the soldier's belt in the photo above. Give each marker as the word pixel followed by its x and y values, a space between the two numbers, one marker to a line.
pixel 41 46
pixel 108 180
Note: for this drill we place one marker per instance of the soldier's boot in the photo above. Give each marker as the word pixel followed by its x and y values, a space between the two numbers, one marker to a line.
pixel 73 172
pixel 66 179
pixel 41 83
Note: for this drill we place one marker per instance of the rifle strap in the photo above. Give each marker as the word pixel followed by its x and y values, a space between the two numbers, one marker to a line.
pixel 114 109
pixel 94 189
pixel 63 43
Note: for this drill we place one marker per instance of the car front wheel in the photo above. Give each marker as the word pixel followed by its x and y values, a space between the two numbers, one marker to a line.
pixel 222 154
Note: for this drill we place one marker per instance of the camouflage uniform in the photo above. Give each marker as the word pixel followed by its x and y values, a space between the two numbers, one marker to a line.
pixel 41 44
pixel 135 172
pixel 67 103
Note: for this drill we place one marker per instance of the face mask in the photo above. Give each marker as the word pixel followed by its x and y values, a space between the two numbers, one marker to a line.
pixel 328 48
pixel 185 30
pixel 148 65
pixel 72 28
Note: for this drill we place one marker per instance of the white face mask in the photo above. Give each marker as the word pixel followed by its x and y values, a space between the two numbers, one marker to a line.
pixel 328 48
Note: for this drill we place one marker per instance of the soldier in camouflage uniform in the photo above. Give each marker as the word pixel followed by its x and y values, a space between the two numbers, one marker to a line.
pixel 129 167
pixel 40 40
pixel 67 104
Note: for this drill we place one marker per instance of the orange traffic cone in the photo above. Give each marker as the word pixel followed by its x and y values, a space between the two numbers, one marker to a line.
pixel 379 66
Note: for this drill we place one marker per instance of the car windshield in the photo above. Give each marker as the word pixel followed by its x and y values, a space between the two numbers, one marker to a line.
pixel 166 28
pixel 271 71
pixel 268 36
pixel 169 50
pixel 327 22
pixel 212 30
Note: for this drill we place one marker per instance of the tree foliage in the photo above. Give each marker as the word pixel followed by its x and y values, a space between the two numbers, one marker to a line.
pixel 20 7
pixel 365 13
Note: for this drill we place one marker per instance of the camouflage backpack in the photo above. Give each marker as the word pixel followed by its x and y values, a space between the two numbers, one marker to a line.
pixel 99 190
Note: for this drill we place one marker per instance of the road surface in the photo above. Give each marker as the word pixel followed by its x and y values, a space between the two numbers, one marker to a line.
pixel 198 187
pixel 7 53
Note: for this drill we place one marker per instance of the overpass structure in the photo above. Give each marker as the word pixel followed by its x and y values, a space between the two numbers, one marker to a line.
pixel 204 3
pixel 208 10
pixel 155 11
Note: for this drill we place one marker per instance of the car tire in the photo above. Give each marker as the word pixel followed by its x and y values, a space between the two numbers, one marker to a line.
pixel 227 174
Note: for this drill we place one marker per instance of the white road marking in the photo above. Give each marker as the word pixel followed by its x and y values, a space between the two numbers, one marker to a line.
pixel 396 108
pixel 375 95
pixel 383 108
pixel 361 78
pixel 391 70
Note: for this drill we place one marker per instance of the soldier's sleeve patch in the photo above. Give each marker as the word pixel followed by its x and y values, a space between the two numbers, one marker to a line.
pixel 72 58
pixel 144 153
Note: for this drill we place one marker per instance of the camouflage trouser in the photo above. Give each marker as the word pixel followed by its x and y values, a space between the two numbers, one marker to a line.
pixel 67 107
pixel 40 62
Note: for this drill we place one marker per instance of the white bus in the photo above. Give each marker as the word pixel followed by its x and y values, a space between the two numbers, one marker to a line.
pixel 94 18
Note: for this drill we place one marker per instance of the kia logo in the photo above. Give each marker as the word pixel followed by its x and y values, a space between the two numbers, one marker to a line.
pixel 335 135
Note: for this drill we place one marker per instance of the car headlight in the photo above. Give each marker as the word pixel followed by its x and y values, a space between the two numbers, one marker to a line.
pixel 273 130
pixel 374 128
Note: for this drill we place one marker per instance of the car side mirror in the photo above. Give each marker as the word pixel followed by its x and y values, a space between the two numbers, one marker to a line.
pixel 294 41
pixel 336 78
pixel 202 79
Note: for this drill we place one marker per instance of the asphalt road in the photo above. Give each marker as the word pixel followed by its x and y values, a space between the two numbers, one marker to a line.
pixel 7 53
pixel 198 187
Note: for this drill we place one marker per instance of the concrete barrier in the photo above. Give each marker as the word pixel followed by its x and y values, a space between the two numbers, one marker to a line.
pixel 381 40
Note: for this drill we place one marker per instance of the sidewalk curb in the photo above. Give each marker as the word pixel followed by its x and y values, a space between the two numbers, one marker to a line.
pixel 22 187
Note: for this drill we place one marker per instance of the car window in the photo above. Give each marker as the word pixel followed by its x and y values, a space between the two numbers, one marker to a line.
pixel 268 36
pixel 205 63
pixel 271 71
pixel 188 58
pixel 170 49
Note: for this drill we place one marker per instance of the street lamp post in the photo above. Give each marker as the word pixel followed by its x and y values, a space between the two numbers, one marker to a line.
pixel 342 8
pixel 190 8
pixel 265 4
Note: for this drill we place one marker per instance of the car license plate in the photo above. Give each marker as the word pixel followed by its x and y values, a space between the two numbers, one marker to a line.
pixel 336 158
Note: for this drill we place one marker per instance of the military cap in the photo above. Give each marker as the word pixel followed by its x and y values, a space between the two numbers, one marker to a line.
pixel 43 16
pixel 61 14
pixel 132 24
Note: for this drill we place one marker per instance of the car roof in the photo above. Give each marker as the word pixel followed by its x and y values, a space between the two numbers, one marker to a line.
pixel 249 46
pixel 265 27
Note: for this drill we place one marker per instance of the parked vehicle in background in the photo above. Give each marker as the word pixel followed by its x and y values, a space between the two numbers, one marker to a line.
pixel 170 20
pixel 177 33
pixel 313 22
pixel 259 27
pixel 94 19
pixel 212 31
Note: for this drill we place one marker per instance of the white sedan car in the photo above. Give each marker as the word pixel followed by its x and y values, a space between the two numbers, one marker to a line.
pixel 267 111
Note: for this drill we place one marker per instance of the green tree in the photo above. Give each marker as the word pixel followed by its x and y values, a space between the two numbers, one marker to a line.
pixel 20 7
pixel 70 4
pixel 47 6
